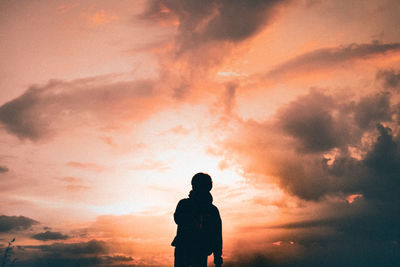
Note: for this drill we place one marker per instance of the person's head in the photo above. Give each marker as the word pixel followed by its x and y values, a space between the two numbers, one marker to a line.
pixel 201 182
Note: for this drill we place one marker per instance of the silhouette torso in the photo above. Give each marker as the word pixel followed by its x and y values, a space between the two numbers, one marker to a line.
pixel 199 230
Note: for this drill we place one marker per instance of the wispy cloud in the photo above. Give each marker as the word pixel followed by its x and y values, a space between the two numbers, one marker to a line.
pixel 332 57
pixel 93 167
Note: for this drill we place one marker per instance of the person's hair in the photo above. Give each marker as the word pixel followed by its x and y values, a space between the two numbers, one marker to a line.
pixel 201 182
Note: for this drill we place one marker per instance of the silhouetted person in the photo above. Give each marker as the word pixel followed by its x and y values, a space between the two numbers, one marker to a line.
pixel 199 231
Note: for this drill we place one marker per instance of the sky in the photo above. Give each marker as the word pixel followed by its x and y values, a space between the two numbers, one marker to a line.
pixel 108 108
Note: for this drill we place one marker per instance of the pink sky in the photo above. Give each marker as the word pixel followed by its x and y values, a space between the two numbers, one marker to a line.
pixel 108 108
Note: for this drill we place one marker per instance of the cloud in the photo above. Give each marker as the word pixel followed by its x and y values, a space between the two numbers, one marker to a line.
pixel 319 254
pixel 253 260
pixel 383 163
pixel 320 122
pixel 315 145
pixel 339 229
pixel 15 223
pixel 125 240
pixel 49 235
pixel 77 184
pixel 229 97
pixel 101 17
pixel 326 222
pixel 91 253
pixel 339 156
pixel 118 258
pixel 318 239
pixel 310 120
pixel 206 33
pixel 70 179
pixel 213 21
pixel 325 58
pixel 390 79
pixel 44 110
pixel 372 109
pixel 83 248
pixel 3 169
pixel 57 260
pixel 93 167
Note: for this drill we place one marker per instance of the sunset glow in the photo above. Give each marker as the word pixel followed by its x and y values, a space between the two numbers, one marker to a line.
pixel 108 108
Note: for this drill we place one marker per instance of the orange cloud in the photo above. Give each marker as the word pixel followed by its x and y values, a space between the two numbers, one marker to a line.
pixel 353 197
pixel 87 166
pixel 101 17
pixel 56 106
pixel 277 243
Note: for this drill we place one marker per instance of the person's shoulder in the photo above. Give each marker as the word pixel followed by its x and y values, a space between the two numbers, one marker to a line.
pixel 185 204
pixel 214 208
pixel 184 201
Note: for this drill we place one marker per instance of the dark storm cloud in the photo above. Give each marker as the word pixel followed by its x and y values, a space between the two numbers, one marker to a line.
pixel 308 224
pixel 364 237
pixel 252 260
pixel 207 21
pixel 383 163
pixel 90 247
pixel 41 109
pixel 326 148
pixel 91 253
pixel 60 261
pixel 372 109
pixel 308 146
pixel 390 78
pixel 118 258
pixel 335 253
pixel 331 57
pixel 3 169
pixel 309 119
pixel 206 33
pixel 319 122
pixel 16 223
pixel 49 235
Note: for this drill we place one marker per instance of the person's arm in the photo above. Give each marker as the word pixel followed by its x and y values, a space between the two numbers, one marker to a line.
pixel 218 241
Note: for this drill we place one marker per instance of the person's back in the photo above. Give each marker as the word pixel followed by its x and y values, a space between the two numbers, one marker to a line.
pixel 199 226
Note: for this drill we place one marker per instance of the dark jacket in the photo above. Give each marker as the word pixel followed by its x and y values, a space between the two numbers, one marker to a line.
pixel 199 224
